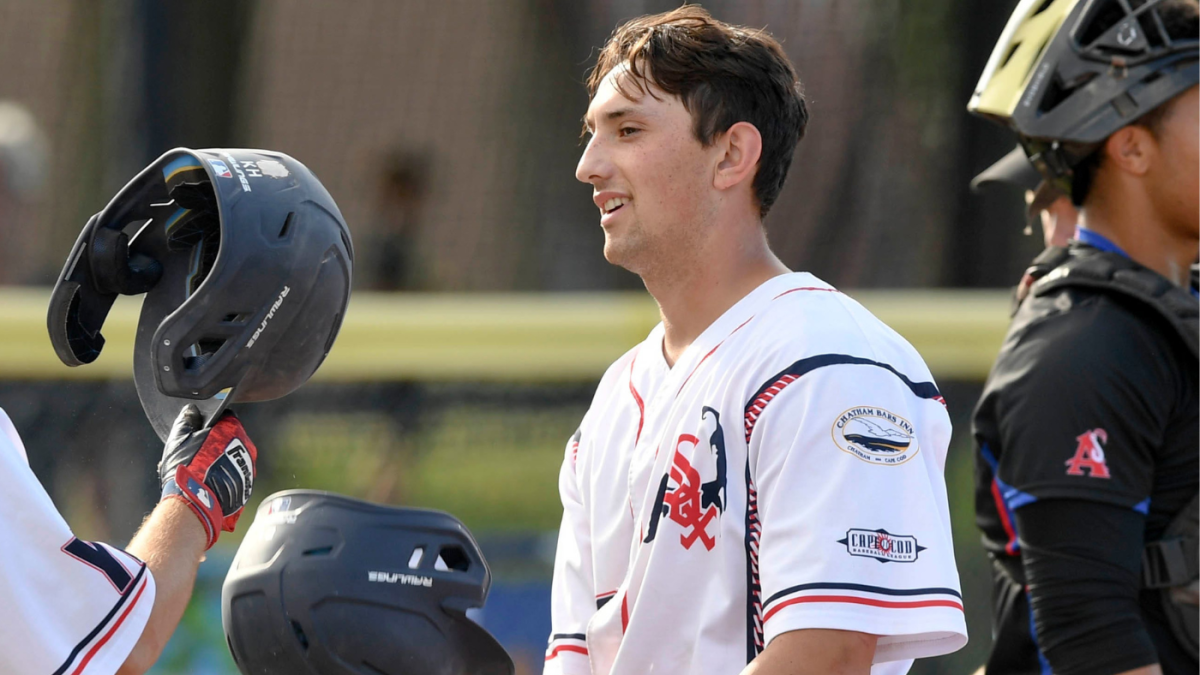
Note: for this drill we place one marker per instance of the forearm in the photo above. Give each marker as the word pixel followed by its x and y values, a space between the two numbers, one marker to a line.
pixel 816 652
pixel 1082 565
pixel 171 542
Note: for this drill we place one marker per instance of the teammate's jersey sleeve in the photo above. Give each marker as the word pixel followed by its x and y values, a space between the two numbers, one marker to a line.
pixel 1076 408
pixel 71 607
pixel 846 467
pixel 573 599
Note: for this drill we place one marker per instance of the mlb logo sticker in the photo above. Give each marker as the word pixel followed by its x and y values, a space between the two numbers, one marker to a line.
pixel 219 167
pixel 279 505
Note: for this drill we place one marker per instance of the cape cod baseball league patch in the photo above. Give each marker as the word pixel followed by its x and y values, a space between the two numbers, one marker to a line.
pixel 875 435
pixel 881 545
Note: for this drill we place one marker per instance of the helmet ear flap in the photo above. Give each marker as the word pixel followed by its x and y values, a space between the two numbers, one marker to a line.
pixel 114 270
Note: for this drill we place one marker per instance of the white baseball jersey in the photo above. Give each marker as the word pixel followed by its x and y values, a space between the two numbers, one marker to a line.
pixel 785 474
pixel 71 607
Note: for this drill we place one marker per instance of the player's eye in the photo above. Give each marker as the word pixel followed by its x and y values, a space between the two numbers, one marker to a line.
pixel 627 131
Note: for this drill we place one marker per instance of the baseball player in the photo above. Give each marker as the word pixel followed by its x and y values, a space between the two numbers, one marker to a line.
pixel 77 607
pixel 1087 457
pixel 757 487
pixel 84 608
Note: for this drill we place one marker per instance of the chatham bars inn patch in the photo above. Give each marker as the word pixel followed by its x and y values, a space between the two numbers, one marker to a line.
pixel 875 435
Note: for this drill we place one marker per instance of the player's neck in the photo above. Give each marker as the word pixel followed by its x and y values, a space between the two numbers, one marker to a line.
pixel 695 295
pixel 1128 217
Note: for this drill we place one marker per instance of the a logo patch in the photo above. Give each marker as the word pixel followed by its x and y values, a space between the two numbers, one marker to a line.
pixel 219 167
pixel 881 545
pixel 279 505
pixel 378 577
pixel 1089 455
pixel 875 435
pixel 201 492
pixel 684 495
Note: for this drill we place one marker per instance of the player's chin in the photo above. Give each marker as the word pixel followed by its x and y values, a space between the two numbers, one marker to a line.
pixel 617 250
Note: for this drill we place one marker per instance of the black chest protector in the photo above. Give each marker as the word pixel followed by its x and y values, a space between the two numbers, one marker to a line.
pixel 1171 563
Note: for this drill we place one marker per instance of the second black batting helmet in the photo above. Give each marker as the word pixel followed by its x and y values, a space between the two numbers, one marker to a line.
pixel 328 585
pixel 245 261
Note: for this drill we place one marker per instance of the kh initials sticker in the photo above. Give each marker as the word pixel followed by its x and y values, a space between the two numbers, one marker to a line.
pixel 875 435
pixel 881 545
pixel 1089 455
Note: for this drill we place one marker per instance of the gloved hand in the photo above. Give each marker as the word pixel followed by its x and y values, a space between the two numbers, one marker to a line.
pixel 211 470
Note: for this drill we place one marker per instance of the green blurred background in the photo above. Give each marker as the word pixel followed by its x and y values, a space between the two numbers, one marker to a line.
pixel 448 131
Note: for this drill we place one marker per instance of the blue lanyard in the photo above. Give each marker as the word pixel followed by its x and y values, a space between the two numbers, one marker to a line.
pixel 1097 240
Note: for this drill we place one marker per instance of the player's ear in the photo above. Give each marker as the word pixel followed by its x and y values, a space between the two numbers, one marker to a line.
pixel 1131 149
pixel 742 146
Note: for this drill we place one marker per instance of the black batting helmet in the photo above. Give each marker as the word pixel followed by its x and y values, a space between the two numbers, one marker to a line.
pixel 327 585
pixel 245 261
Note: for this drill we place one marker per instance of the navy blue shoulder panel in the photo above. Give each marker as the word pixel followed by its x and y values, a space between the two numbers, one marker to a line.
pixel 922 389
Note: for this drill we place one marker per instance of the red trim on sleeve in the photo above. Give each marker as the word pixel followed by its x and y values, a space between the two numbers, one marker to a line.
pixel 566 648
pixel 850 599
pixel 112 631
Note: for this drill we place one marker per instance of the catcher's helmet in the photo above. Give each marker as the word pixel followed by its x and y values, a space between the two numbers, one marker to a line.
pixel 327 585
pixel 245 261
pixel 1066 74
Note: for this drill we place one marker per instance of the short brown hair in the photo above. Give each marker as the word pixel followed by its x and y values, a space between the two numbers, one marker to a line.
pixel 723 74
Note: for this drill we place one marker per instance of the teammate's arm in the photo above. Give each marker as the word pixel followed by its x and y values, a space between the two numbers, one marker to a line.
pixel 207 476
pixel 816 651
pixel 171 542
pixel 1083 586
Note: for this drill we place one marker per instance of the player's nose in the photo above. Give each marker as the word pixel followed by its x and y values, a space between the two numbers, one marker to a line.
pixel 594 165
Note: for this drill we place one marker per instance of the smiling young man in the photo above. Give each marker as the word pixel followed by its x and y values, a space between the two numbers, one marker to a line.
pixel 757 487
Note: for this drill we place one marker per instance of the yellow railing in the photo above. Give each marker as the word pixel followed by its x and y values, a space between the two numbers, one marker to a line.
pixel 533 337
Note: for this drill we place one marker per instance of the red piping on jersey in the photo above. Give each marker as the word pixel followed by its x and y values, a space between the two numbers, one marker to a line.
pixel 1002 509
pixel 96 647
pixel 890 604
pixel 710 353
pixel 806 288
pixel 638 399
pixel 624 613
pixel 605 595
pixel 755 409
pixel 566 648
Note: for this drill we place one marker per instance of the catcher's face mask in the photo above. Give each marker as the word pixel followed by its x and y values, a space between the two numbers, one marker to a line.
pixel 245 261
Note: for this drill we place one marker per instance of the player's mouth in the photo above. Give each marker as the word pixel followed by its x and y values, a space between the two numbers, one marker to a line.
pixel 610 203
pixel 614 204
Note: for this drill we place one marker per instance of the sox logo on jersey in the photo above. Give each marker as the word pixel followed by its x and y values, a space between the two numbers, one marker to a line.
pixel 683 495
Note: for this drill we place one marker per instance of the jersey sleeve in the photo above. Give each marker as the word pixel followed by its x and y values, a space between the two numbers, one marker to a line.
pixel 1080 403
pixel 846 469
pixel 573 600
pixel 74 607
